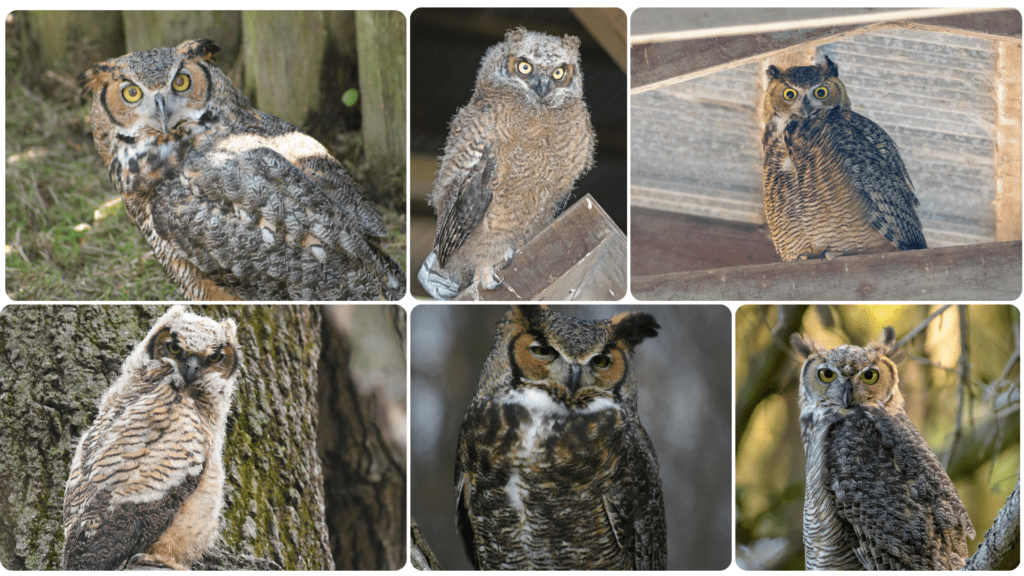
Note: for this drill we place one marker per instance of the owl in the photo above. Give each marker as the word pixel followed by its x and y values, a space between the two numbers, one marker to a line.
pixel 512 156
pixel 237 204
pixel 146 482
pixel 834 182
pixel 554 469
pixel 876 497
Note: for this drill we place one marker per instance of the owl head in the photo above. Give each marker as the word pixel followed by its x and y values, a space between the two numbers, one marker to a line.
pixel 804 91
pixel 570 361
pixel 544 70
pixel 193 354
pixel 153 93
pixel 848 376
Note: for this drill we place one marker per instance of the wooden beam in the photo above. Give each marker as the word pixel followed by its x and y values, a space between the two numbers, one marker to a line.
pixel 661 63
pixel 579 256
pixel 972 272
pixel 608 27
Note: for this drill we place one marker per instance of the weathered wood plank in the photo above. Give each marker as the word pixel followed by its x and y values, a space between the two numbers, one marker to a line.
pixel 974 272
pixel 579 256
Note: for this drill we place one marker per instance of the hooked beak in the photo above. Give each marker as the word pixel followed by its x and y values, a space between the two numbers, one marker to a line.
pixel 541 84
pixel 161 112
pixel 847 393
pixel 191 370
pixel 805 107
pixel 574 377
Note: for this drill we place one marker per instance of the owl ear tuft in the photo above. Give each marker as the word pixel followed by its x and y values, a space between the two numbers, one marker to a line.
pixel 527 316
pixel 888 345
pixel 515 34
pixel 829 68
pixel 202 49
pixel 773 72
pixel 230 329
pixel 802 345
pixel 96 77
pixel 634 327
pixel 571 42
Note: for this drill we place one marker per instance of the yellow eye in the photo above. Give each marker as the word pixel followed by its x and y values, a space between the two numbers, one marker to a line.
pixel 524 67
pixel 181 82
pixel 788 94
pixel 601 361
pixel 821 92
pixel 132 94
pixel 216 357
pixel 173 348
pixel 826 375
pixel 542 351
pixel 869 376
pixel 558 74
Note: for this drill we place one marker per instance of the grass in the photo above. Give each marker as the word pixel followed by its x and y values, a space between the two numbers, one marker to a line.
pixel 67 235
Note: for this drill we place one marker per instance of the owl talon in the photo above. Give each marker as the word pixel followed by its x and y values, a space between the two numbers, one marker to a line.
pixel 435 282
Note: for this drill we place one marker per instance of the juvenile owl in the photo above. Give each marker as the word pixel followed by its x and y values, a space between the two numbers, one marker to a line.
pixel 554 470
pixel 876 498
pixel 237 204
pixel 512 156
pixel 834 182
pixel 147 479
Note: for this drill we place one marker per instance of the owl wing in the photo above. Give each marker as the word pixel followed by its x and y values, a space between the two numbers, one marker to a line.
pixel 898 507
pixel 463 497
pixel 636 505
pixel 259 226
pixel 103 535
pixel 462 191
pixel 882 181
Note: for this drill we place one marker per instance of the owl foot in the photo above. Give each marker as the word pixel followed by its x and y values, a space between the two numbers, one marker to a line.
pixel 143 559
pixel 488 279
pixel 435 282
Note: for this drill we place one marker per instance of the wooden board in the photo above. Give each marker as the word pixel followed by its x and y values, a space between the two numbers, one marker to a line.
pixel 975 272
pixel 579 256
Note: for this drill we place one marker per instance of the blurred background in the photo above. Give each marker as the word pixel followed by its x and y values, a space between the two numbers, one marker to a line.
pixel 960 377
pixel 338 75
pixel 682 378
pixel 446 46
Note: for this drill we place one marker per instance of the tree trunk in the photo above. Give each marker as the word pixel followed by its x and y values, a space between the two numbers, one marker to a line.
pixel 380 36
pixel 67 42
pixel 363 471
pixel 148 29
pixel 57 362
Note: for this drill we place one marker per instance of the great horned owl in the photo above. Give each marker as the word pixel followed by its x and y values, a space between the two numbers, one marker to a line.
pixel 147 479
pixel 876 498
pixel 237 204
pixel 512 156
pixel 554 470
pixel 834 182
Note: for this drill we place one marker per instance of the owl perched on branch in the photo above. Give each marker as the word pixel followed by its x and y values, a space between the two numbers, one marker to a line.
pixel 834 182
pixel 512 156
pixel 237 204
pixel 146 482
pixel 554 469
pixel 876 497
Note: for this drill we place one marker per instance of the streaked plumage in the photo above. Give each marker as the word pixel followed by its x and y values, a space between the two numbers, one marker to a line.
pixel 512 156
pixel 876 496
pixel 554 469
pixel 834 182
pixel 237 204
pixel 146 480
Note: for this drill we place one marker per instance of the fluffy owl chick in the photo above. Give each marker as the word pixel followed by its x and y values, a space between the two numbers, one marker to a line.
pixel 834 182
pixel 146 481
pixel 554 469
pixel 512 157
pixel 876 497
pixel 237 204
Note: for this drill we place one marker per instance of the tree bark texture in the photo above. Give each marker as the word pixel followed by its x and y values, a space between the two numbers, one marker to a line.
pixel 58 360
pixel 67 42
pixel 1001 548
pixel 380 37
pixel 364 472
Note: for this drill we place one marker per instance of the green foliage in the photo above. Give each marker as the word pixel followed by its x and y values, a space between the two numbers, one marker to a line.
pixel 350 97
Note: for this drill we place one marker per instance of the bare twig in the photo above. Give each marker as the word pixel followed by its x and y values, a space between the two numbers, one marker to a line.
pixel 920 327
pixel 963 371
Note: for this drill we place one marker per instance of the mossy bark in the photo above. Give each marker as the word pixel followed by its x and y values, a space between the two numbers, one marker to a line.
pixel 148 29
pixel 58 360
